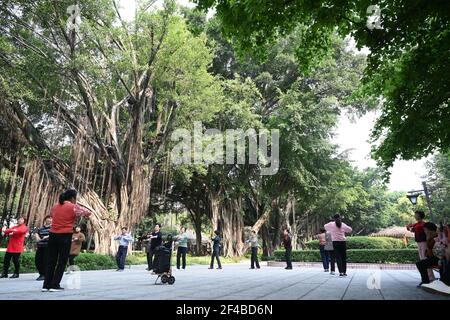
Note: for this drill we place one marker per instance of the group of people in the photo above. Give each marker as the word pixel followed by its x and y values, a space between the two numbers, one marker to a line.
pixel 332 245
pixel 432 243
pixel 434 252
pixel 155 240
pixel 42 236
pixel 58 242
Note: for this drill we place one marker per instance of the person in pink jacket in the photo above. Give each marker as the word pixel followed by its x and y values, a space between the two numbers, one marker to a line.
pixel 338 229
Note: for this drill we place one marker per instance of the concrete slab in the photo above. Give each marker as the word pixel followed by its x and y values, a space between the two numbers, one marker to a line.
pixel 234 282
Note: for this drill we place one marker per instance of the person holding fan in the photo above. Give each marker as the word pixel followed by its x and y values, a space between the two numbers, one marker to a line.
pixel 15 247
pixel 63 214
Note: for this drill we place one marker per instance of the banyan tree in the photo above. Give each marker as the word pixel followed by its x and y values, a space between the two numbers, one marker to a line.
pixel 93 99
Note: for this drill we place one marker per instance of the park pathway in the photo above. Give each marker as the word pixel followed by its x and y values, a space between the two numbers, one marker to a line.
pixel 232 282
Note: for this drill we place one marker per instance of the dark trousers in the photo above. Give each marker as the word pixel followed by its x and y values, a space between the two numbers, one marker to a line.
pixel 15 256
pixel 423 266
pixel 121 256
pixel 215 253
pixel 181 254
pixel 445 273
pixel 58 254
pixel 324 256
pixel 150 254
pixel 288 257
pixel 254 258
pixel 72 259
pixel 40 260
pixel 340 250
pixel 331 259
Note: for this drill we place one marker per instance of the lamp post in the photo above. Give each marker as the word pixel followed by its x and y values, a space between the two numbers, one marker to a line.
pixel 427 196
pixel 414 194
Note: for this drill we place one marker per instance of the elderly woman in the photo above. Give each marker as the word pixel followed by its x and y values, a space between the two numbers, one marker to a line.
pixel 63 214
pixel 182 239
pixel 15 247
pixel 75 248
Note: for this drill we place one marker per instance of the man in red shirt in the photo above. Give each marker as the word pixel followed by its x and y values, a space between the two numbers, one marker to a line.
pixel 15 247
pixel 63 215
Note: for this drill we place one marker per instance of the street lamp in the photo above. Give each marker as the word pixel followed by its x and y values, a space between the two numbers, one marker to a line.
pixel 413 198
pixel 413 195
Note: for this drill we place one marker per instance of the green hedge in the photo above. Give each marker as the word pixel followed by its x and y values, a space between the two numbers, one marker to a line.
pixel 361 242
pixel 85 261
pixel 357 255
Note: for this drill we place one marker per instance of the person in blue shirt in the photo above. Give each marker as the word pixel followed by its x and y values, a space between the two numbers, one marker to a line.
pixel 124 240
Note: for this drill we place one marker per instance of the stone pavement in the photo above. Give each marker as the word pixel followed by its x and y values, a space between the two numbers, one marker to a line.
pixel 232 282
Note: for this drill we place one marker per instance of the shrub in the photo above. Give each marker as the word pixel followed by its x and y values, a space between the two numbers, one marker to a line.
pixel 136 258
pixel 268 258
pixel 412 244
pixel 357 255
pixel 361 242
pixel 92 261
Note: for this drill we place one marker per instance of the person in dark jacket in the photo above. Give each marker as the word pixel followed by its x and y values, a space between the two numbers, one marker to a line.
pixel 42 235
pixel 155 241
pixel 431 260
pixel 441 251
pixel 287 243
pixel 215 250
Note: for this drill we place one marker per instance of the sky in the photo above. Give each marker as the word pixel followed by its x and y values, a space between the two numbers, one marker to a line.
pixel 353 135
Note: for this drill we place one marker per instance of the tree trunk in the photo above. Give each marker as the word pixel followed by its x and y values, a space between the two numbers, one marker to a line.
pixel 197 222
pixel 261 221
pixel 214 206
pixel 12 193
pixel 198 238
pixel 232 227
pixel 267 244
pixel 227 217
pixel 276 236
pixel 5 204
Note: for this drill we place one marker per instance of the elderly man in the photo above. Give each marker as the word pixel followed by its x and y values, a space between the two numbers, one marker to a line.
pixel 124 240
pixel 253 241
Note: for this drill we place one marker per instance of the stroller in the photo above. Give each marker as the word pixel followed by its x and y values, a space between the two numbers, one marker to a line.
pixel 162 261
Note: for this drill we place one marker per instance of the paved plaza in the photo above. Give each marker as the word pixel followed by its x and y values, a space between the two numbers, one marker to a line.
pixel 232 282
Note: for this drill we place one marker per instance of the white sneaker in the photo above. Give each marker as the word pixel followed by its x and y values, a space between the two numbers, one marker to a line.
pixel 437 287
pixel 44 290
